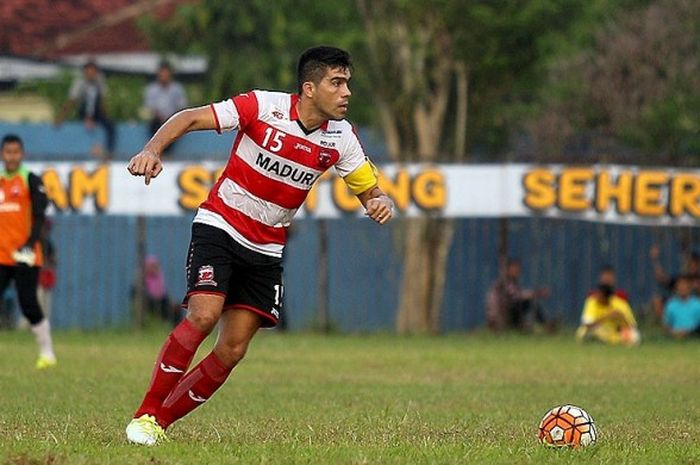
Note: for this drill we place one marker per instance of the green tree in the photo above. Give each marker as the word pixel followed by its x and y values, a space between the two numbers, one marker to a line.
pixel 636 82
pixel 444 72
pixel 255 44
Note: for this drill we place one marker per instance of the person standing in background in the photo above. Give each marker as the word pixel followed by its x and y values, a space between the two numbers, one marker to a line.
pixel 163 98
pixel 23 204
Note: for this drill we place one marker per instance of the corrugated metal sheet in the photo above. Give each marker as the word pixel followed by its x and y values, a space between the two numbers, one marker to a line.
pixel 97 263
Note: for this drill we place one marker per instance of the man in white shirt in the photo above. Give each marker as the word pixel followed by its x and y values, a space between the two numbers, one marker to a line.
pixel 163 98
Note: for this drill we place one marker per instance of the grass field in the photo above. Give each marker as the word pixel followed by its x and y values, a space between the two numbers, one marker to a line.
pixel 313 399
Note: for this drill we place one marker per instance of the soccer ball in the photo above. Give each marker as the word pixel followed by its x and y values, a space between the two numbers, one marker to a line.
pixel 567 425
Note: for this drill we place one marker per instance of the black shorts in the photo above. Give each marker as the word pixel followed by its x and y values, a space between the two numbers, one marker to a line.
pixel 217 264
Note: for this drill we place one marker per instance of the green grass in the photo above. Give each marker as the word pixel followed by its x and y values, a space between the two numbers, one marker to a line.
pixel 303 398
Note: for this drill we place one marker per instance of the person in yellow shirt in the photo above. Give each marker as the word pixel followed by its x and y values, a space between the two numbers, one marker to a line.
pixel 23 204
pixel 608 318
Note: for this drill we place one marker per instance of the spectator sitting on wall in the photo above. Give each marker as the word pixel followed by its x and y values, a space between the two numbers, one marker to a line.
pixel 682 311
pixel 163 98
pixel 608 318
pixel 88 93
pixel 508 305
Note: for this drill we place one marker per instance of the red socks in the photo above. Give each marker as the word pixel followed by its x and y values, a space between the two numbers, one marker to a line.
pixel 193 390
pixel 172 363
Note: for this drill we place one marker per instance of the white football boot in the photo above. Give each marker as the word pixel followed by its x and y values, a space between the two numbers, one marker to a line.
pixel 145 431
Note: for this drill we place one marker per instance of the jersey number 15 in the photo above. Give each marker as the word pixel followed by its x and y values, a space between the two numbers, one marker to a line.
pixel 275 144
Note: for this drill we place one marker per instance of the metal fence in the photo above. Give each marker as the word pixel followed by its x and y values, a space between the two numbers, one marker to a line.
pixel 98 262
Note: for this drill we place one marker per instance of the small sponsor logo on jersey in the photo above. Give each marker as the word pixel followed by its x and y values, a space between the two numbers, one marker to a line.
pixel 303 147
pixel 8 207
pixel 278 114
pixel 170 368
pixel 325 143
pixel 205 276
pixel 195 397
pixel 324 159
pixel 284 170
pixel 330 133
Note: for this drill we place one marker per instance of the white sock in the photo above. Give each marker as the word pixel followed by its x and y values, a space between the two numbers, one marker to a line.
pixel 42 332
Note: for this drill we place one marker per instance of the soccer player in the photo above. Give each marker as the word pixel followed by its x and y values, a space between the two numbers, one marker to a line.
pixel 23 204
pixel 285 142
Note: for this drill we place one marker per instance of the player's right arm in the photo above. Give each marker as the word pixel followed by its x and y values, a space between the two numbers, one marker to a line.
pixel 147 162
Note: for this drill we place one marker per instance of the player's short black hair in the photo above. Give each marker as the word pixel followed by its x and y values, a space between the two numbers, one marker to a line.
pixel 165 65
pixel 314 62
pixel 607 268
pixel 513 261
pixel 12 139
pixel 91 63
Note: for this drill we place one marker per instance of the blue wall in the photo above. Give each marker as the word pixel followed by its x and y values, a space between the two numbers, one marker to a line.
pixel 97 260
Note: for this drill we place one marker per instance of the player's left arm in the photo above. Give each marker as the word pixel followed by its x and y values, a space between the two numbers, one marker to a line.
pixel 362 179
pixel 363 183
pixel 39 203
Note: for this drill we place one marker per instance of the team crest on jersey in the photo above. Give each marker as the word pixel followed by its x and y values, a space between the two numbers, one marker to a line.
pixel 278 114
pixel 205 276
pixel 324 159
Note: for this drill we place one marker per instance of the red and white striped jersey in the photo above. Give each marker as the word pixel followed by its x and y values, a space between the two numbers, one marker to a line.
pixel 274 163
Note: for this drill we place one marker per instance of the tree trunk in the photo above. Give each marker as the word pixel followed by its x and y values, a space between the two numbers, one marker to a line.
pixel 412 314
pixel 426 251
pixel 462 75
pixel 417 67
pixel 442 234
pixel 323 320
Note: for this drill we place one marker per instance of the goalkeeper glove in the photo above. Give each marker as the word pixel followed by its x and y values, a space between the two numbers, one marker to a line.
pixel 24 256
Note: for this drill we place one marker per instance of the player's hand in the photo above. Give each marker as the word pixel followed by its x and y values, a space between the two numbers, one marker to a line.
pixel 145 163
pixel 380 209
pixel 24 256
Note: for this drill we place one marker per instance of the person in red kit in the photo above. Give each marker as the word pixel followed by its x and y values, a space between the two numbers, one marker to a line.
pixel 285 142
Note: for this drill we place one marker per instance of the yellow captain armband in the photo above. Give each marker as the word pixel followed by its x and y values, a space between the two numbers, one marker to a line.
pixel 362 178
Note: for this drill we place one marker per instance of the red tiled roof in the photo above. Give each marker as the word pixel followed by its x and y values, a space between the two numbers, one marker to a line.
pixel 55 28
